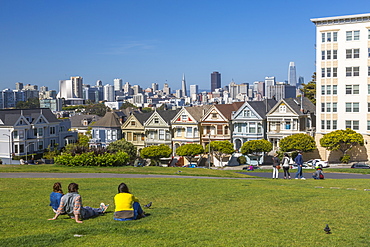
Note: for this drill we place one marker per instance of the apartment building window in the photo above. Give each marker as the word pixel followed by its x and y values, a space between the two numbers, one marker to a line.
pixel 328 89
pixel 352 71
pixel 323 55
pixel 322 72
pixel 323 90
pixel 226 130
pixel 335 72
pixel 52 130
pixel 335 36
pixel 368 107
pixel 40 145
pixel 184 118
pixel 322 107
pixel 368 71
pixel 328 107
pixel 335 107
pixel 15 134
pixel 352 124
pixel 288 125
pixel 335 54
pixel 328 54
pixel 156 120
pixel 335 89
pixel 352 106
pixel 327 37
pixel 352 89
pixel 368 34
pixel 328 72
pixel 368 125
pixel 352 53
pixel 334 124
pixel 259 128
pixel 353 35
pixel 40 131
pixel 134 137
pixel 323 124
pixel 328 124
pixel 368 52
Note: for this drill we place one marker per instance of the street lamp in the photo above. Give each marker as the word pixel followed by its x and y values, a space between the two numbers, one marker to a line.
pixel 10 151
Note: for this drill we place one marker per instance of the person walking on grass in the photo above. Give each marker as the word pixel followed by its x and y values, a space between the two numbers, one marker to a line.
pixel 275 166
pixel 299 161
pixel 285 163
pixel 71 204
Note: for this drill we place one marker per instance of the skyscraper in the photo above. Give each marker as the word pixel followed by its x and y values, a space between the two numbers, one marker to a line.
pixel 215 81
pixel 117 84
pixel 292 74
pixel 269 81
pixel 109 93
pixel 77 86
pixel 183 86
pixel 193 89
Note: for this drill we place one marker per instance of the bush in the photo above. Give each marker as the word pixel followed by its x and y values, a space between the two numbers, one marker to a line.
pixel 91 159
pixel 242 160
pixel 345 158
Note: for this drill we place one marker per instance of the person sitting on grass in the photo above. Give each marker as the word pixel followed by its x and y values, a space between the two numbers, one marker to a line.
pixel 318 174
pixel 127 205
pixel 55 196
pixel 71 204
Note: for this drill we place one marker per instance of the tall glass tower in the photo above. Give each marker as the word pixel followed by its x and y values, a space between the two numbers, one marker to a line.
pixel 292 75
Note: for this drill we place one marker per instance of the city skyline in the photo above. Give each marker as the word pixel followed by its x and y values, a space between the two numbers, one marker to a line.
pixel 145 42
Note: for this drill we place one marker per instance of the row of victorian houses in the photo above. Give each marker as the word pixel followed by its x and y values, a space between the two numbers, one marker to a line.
pixel 238 122
pixel 33 130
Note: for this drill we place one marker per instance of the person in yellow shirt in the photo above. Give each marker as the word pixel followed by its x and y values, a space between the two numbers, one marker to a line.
pixel 127 205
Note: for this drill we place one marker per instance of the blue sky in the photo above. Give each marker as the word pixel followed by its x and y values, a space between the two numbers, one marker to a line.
pixel 145 41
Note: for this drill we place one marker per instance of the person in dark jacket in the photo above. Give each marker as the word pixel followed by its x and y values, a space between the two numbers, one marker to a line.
pixel 275 164
pixel 299 161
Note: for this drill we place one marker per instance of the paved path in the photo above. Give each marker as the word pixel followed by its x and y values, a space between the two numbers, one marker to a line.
pixel 307 175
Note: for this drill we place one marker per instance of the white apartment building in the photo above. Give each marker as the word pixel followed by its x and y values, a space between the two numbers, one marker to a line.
pixel 343 73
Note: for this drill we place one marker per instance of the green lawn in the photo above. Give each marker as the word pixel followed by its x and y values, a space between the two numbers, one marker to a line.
pixel 124 170
pixel 193 212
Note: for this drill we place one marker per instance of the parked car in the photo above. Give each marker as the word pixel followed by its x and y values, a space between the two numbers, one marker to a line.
pixel 304 166
pixel 361 165
pixel 319 162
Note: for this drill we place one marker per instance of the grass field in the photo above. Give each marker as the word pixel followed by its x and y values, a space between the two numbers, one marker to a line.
pixel 193 212
pixel 124 170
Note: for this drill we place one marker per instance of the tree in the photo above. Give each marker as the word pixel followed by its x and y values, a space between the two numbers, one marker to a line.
pixel 98 109
pixel 298 142
pixel 309 89
pixel 342 140
pixel 156 152
pixel 126 105
pixel 256 148
pixel 31 103
pixel 123 145
pixel 189 150
pixel 220 149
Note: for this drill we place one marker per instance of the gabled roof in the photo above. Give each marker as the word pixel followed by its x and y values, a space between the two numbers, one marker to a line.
pixel 228 109
pixel 76 120
pixel 197 112
pixel 142 116
pixel 295 105
pixel 260 106
pixel 9 117
pixel 110 120
pixel 168 115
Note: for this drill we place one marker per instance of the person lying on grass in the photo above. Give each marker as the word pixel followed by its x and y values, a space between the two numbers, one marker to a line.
pixel 127 205
pixel 71 204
